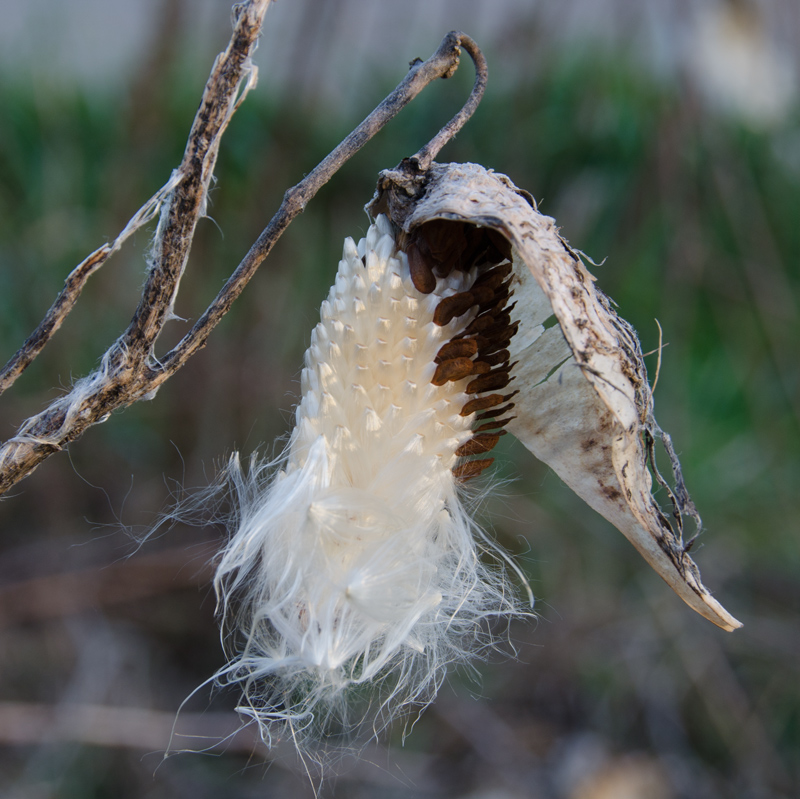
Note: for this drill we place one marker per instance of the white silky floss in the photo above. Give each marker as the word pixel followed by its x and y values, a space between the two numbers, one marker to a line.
pixel 357 562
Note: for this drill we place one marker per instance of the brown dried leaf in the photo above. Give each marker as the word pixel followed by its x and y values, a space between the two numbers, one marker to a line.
pixel 584 405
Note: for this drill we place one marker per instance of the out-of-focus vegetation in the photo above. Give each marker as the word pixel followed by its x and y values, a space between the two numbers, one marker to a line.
pixel 618 686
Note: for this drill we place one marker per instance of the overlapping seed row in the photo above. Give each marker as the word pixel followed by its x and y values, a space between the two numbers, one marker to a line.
pixel 480 351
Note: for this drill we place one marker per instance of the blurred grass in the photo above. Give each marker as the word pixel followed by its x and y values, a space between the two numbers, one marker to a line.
pixel 697 217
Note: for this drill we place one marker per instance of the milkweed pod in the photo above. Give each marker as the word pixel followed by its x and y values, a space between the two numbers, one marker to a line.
pixel 584 405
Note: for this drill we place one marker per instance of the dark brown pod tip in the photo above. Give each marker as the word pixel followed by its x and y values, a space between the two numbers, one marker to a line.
pixel 451 307
pixel 458 348
pixel 421 273
pixel 472 468
pixel 453 369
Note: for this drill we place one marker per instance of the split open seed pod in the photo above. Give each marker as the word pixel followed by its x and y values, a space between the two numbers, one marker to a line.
pixel 584 406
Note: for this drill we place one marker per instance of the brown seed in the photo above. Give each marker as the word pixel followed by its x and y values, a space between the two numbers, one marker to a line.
pixel 479 254
pixel 495 412
pixel 490 276
pixel 445 268
pixel 482 403
pixel 499 378
pixel 477 445
pixel 495 358
pixel 497 333
pixel 458 348
pixel 471 469
pixel 501 300
pixel 421 273
pixel 503 291
pixel 501 320
pixel 453 260
pixel 491 279
pixel 495 424
pixel 453 369
pixel 443 237
pixel 492 255
pixel 480 368
pixel 451 307
pixel 479 324
pixel 482 294
pixel 499 342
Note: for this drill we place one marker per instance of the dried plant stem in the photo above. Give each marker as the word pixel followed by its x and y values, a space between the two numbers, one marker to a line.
pixel 129 370
pixel 73 286
pixel 442 64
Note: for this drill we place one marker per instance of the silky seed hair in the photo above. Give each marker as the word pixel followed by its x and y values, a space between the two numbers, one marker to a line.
pixel 354 560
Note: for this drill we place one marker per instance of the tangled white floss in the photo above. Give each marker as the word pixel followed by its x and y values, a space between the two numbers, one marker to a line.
pixel 354 560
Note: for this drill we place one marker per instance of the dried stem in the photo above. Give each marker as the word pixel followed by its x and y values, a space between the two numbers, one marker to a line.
pixel 129 371
pixel 73 286
pixel 442 64
pixel 424 158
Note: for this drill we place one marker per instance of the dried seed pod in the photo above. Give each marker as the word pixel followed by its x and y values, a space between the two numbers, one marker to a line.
pixel 598 448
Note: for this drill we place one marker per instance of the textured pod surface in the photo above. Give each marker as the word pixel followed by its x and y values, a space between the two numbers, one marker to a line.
pixel 584 406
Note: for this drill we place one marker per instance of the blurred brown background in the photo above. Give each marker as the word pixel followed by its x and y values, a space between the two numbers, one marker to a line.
pixel 666 140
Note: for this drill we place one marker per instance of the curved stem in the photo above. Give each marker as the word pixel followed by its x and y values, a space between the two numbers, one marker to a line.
pixel 425 157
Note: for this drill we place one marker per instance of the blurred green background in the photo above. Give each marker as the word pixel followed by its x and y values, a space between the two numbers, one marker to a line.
pixel 618 690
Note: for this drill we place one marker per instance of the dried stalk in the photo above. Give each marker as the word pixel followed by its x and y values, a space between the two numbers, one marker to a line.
pixel 129 371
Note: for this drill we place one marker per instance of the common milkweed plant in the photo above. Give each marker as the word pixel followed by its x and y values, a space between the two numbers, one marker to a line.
pixel 353 561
